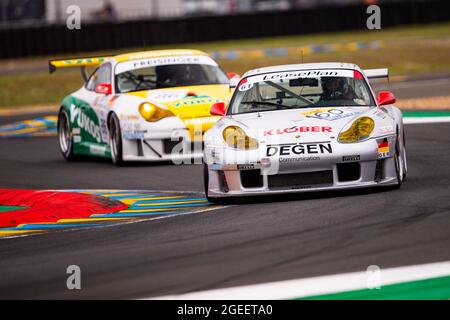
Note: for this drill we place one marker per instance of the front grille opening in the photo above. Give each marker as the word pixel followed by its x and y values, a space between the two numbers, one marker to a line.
pixel 223 185
pixel 379 171
pixel 299 180
pixel 169 144
pixel 251 178
pixel 348 171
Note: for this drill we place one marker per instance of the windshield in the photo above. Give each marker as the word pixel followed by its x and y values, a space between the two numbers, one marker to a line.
pixel 167 76
pixel 301 89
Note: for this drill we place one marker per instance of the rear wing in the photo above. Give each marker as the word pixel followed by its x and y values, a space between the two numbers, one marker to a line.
pixel 377 73
pixel 82 63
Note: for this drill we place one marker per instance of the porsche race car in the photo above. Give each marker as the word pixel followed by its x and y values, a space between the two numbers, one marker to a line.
pixel 304 127
pixel 143 106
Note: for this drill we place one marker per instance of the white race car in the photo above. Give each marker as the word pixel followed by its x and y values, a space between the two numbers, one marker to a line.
pixel 304 127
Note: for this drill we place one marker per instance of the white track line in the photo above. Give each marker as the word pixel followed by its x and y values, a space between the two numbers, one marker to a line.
pixel 419 120
pixel 318 285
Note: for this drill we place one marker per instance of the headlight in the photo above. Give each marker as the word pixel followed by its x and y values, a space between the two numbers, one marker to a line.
pixel 152 113
pixel 360 130
pixel 236 138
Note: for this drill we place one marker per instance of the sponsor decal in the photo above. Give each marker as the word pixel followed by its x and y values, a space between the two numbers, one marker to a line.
pixel 100 150
pixel 299 159
pixel 249 166
pixel 151 62
pixel 299 149
pixel 386 130
pixel 134 135
pixel 190 101
pixel 132 131
pixel 83 61
pixel 277 76
pixel 103 127
pixel 380 114
pixel 166 95
pixel 201 120
pixel 385 110
pixel 155 54
pixel 124 117
pixel 351 158
pixel 76 131
pixel 330 114
pixel 296 129
pixel 76 139
pixel 383 148
pixel 245 85
pixel 85 123
pixel 300 74
pixel 131 126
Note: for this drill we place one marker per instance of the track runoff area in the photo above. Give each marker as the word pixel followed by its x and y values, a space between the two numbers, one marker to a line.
pixel 30 213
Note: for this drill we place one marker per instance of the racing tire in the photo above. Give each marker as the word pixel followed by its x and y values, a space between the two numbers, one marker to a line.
pixel 405 164
pixel 399 164
pixel 206 182
pixel 65 138
pixel 115 140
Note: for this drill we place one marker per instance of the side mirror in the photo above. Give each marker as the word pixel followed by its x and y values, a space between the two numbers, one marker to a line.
pixel 103 88
pixel 218 109
pixel 234 79
pixel 385 97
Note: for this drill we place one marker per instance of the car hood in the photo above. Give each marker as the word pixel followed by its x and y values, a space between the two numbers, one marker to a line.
pixel 306 124
pixel 187 102
pixel 191 104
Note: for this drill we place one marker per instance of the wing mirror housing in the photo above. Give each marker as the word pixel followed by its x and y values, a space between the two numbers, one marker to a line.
pixel 234 79
pixel 385 98
pixel 218 109
pixel 103 88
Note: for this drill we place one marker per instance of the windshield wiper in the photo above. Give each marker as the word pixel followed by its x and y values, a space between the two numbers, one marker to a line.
pixel 255 103
pixel 277 86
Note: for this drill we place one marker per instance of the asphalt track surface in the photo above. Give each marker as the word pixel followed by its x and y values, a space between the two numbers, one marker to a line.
pixel 267 240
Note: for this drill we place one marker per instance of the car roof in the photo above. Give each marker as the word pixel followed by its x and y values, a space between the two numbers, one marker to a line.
pixel 302 66
pixel 158 54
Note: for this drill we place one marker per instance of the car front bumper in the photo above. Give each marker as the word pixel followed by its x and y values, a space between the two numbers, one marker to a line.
pixel 170 140
pixel 350 166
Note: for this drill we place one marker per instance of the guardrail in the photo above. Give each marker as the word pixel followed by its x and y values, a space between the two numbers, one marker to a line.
pixel 57 39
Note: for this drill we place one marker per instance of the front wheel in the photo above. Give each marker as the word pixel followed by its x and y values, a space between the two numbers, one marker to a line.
pixel 223 201
pixel 115 140
pixel 65 136
pixel 206 181
pixel 400 162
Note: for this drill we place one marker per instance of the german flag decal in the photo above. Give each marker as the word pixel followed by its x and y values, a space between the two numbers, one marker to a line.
pixel 383 148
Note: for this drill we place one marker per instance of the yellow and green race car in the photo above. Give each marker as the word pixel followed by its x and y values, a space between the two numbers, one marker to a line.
pixel 143 106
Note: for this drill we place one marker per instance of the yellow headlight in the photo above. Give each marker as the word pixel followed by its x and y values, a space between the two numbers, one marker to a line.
pixel 236 138
pixel 152 113
pixel 360 129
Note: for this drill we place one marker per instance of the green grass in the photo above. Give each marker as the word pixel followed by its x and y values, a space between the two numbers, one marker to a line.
pixel 408 50
pixel 37 88
pixel 427 289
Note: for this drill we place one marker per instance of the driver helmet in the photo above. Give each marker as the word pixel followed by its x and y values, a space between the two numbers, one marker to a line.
pixel 334 86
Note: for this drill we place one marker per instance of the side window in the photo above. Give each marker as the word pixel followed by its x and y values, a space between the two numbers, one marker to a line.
pixel 101 75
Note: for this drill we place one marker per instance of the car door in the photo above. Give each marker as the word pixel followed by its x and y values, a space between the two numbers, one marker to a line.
pixel 94 113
